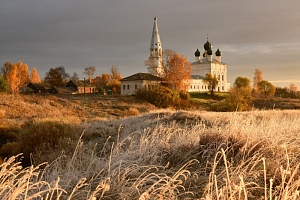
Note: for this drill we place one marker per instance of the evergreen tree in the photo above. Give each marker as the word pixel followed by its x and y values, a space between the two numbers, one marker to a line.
pixel 4 87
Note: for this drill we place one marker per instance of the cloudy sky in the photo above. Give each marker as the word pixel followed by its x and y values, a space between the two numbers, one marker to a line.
pixel 101 33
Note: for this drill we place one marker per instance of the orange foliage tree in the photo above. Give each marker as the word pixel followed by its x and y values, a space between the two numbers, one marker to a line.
pixel 115 77
pixel 110 81
pixel 16 74
pixel 34 76
pixel 13 79
pixel 177 70
pixel 22 73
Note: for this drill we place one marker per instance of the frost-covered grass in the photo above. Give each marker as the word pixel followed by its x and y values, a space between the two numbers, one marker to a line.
pixel 170 155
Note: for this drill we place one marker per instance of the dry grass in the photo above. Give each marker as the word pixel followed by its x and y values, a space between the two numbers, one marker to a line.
pixel 167 154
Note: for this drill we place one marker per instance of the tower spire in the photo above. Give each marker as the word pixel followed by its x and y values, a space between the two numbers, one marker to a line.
pixel 155 51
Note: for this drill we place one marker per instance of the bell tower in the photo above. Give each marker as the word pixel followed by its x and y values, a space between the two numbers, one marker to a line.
pixel 155 57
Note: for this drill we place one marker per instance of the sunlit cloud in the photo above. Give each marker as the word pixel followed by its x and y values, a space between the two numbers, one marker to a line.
pixel 275 48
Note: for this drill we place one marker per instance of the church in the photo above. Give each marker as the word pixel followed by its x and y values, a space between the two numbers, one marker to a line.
pixel 202 65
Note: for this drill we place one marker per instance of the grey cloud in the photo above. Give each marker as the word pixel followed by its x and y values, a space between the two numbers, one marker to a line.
pixel 102 33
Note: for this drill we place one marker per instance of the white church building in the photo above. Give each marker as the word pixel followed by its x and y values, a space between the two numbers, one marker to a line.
pixel 201 66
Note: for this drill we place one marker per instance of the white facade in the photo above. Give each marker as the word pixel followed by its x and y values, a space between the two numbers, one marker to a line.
pixel 155 57
pixel 130 85
pixel 207 64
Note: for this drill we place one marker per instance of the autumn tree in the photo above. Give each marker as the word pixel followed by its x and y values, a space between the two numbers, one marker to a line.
pixel 34 76
pixel 102 80
pixel 242 82
pixel 89 71
pixel 22 73
pixel 176 71
pixel 65 76
pixel 256 79
pixel 16 75
pixel 211 81
pixel 240 96
pixel 13 79
pixel 266 88
pixel 57 76
pixel 115 77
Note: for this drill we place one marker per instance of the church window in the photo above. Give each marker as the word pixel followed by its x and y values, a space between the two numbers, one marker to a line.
pixel 135 86
pixel 222 77
pixel 124 87
pixel 128 87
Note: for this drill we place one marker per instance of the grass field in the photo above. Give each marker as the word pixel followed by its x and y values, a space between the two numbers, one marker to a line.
pixel 126 149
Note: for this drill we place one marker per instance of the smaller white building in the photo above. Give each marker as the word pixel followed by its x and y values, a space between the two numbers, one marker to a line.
pixel 131 84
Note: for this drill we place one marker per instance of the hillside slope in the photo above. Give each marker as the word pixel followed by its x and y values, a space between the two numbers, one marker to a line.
pixel 68 108
pixel 162 154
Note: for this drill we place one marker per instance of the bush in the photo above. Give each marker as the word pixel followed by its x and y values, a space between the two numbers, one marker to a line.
pixel 46 138
pixel 185 95
pixel 132 112
pixel 164 97
pixel 239 99
pixel 161 96
pixel 8 139
pixel 8 135
pixel 10 149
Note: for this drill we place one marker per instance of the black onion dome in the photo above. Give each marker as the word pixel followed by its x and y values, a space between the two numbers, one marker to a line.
pixel 197 53
pixel 207 46
pixel 209 52
pixel 218 52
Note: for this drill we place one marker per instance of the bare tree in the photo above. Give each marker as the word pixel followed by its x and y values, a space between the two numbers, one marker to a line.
pixel 89 71
pixel 74 77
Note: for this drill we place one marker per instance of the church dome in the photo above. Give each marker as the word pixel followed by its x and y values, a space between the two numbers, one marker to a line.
pixel 209 52
pixel 197 53
pixel 218 52
pixel 207 46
